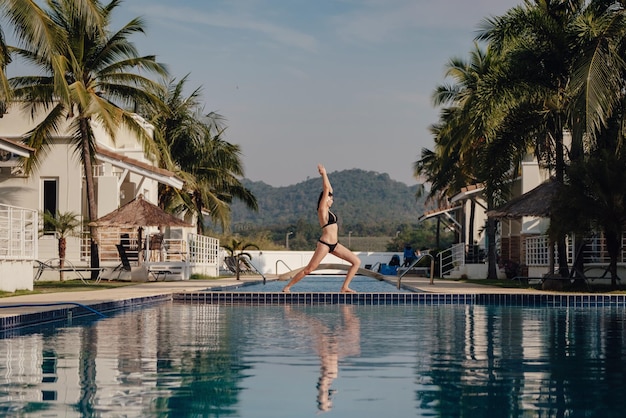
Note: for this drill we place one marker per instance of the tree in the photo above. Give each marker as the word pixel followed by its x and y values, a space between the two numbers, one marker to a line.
pixel 565 61
pixel 89 75
pixel 64 224
pixel 5 59
pixel 469 132
pixel 237 250
pixel 191 145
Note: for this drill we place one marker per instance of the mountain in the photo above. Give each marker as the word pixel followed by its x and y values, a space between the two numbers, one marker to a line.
pixel 362 199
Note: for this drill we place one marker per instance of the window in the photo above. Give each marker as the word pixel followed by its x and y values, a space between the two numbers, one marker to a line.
pixel 50 199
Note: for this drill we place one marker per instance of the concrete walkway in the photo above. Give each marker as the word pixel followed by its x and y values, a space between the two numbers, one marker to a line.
pixel 19 305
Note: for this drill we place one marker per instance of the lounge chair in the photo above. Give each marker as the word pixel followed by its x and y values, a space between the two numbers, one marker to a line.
pixel 124 260
pixel 244 266
pixel 55 265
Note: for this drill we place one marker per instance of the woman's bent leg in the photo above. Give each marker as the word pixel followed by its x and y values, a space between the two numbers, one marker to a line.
pixel 347 255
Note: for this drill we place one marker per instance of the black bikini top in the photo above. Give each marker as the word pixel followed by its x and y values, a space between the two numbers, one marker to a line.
pixel 332 219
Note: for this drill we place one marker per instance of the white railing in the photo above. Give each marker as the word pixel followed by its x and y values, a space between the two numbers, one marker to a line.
pixel 595 251
pixel 195 249
pixel 18 233
pixel 537 251
pixel 451 259
pixel 203 249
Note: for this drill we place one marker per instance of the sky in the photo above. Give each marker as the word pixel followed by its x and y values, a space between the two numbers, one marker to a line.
pixel 344 83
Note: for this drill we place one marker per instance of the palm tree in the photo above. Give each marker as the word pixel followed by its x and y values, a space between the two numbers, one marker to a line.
pixel 534 44
pixel 237 250
pixel 565 60
pixel 64 224
pixel 467 135
pixel 191 145
pixel 89 75
pixel 5 59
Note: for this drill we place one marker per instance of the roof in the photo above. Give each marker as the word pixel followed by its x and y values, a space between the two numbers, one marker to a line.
pixel 439 211
pixel 139 167
pixel 139 212
pixel 15 147
pixel 467 192
pixel 536 202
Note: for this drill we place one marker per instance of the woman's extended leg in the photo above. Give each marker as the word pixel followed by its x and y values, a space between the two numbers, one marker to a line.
pixel 320 252
pixel 347 255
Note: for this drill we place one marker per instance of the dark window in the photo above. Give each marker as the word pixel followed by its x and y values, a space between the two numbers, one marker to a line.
pixel 50 198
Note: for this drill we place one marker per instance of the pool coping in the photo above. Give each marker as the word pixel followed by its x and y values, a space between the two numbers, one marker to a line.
pixel 333 298
pixel 33 310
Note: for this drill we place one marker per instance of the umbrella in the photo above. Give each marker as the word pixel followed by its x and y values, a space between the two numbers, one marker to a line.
pixel 536 202
pixel 139 213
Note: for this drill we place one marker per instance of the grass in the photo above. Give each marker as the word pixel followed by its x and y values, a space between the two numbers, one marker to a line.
pixel 66 286
pixel 572 288
pixel 80 286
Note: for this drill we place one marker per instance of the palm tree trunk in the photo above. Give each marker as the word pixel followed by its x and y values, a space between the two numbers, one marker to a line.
pixel 559 150
pixel 613 248
pixel 470 233
pixel 92 207
pixel 492 272
pixel 62 246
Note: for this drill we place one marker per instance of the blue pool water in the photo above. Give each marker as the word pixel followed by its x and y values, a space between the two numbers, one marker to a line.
pixel 325 283
pixel 196 360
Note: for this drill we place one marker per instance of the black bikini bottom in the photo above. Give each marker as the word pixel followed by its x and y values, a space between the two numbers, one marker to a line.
pixel 330 246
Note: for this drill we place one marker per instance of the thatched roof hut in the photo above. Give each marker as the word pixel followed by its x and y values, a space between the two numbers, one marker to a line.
pixel 536 202
pixel 140 213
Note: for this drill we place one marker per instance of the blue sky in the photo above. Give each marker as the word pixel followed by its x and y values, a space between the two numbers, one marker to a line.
pixel 346 83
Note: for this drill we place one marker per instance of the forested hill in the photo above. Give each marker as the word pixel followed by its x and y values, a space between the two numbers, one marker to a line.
pixel 361 199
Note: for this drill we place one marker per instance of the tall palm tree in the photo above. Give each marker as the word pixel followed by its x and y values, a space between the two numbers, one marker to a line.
pixel 90 75
pixel 5 59
pixel 565 60
pixel 534 43
pixel 191 145
pixel 465 137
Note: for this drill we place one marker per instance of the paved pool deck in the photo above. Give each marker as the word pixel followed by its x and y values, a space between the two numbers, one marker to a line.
pixel 35 303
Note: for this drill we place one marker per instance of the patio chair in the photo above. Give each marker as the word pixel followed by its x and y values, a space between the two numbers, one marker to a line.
pixel 124 260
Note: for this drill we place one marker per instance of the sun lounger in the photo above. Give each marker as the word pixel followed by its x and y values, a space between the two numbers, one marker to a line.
pixel 54 264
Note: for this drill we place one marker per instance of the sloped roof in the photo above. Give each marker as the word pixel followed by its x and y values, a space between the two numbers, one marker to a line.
pixel 159 174
pixel 536 202
pixel 15 147
pixel 140 213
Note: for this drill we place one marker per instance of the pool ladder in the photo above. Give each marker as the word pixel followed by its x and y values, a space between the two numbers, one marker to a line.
pixel 283 263
pixel 432 268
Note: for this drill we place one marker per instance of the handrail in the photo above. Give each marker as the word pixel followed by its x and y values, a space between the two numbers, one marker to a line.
pixel 257 270
pixel 451 258
pixel 285 264
pixel 432 268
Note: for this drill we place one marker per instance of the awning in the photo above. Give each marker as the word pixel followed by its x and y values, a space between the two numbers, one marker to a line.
pixel 139 167
pixel 15 147
pixel 444 212
pixel 467 192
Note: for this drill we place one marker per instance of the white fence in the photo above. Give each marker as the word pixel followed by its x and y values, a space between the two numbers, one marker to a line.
pixel 18 247
pixel 18 233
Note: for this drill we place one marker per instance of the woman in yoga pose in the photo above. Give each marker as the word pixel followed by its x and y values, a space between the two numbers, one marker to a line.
pixel 328 242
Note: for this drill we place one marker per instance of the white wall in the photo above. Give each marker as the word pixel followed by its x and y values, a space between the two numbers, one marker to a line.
pixel 279 262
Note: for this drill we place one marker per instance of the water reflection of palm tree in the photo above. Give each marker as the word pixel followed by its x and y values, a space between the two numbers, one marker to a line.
pixel 332 340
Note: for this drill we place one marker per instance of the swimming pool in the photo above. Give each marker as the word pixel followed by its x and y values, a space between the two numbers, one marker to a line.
pixel 323 283
pixel 189 359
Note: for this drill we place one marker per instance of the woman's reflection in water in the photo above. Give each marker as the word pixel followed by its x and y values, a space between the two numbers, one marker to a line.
pixel 333 340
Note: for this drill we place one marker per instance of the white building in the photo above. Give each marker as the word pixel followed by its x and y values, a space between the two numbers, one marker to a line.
pixel 122 172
